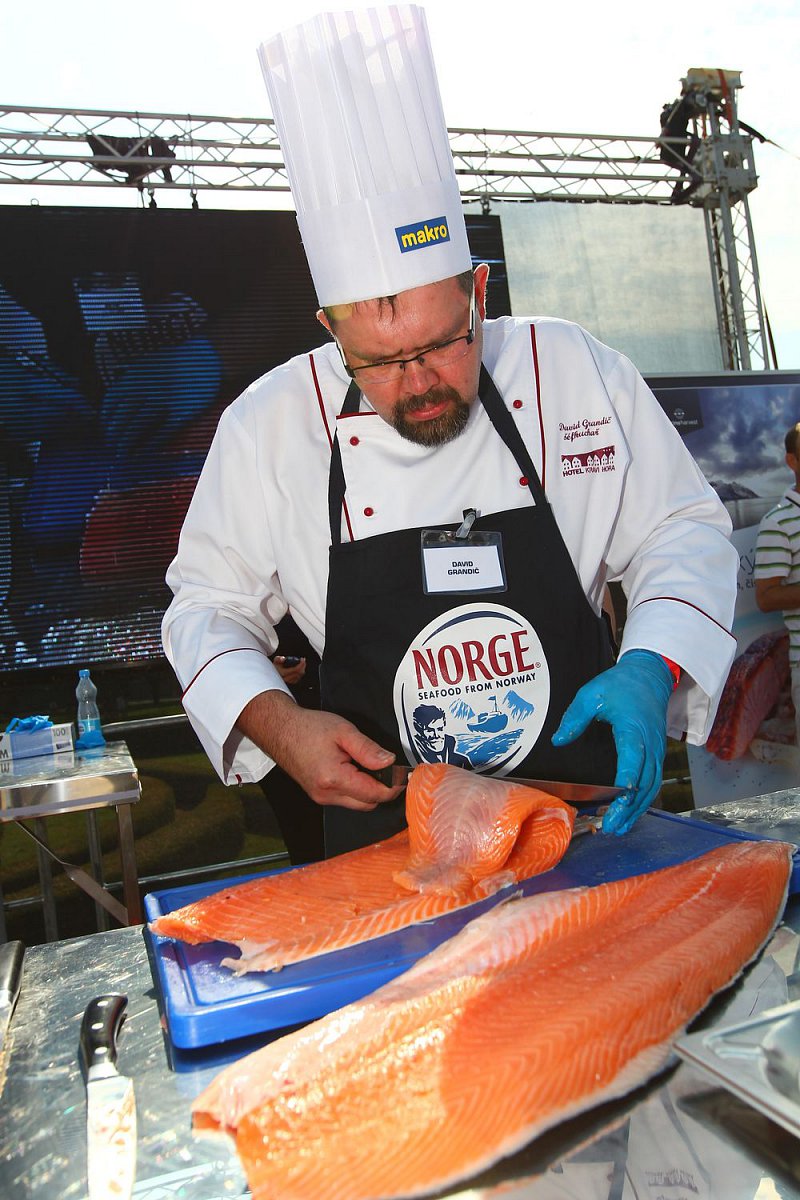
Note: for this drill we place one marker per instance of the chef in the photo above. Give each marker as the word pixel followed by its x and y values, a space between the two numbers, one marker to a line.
pixel 438 499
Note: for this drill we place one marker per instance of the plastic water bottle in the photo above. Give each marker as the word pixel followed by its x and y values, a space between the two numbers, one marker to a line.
pixel 90 732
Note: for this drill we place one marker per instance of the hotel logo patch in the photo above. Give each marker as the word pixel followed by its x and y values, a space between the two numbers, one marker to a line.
pixel 592 462
pixel 473 689
pixel 422 233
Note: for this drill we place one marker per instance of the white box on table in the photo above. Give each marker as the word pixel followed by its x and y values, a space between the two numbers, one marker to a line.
pixel 32 743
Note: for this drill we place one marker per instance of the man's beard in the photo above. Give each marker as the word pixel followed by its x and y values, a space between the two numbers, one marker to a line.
pixel 438 430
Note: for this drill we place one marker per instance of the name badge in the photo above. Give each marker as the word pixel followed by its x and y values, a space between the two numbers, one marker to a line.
pixel 464 560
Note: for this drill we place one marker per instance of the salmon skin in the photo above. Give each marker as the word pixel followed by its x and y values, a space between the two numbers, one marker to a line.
pixel 535 1011
pixel 754 684
pixel 468 837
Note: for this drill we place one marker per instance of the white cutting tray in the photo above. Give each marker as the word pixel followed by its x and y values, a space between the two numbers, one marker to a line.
pixel 757 1060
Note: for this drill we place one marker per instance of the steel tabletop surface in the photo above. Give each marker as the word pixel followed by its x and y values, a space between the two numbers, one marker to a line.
pixel 680 1135
pixel 83 780
pixel 48 785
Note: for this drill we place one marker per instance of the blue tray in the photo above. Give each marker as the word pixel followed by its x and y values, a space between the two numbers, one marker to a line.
pixel 203 1004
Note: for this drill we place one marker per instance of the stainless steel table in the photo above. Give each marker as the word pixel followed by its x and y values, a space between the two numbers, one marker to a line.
pixel 86 780
pixel 678 1137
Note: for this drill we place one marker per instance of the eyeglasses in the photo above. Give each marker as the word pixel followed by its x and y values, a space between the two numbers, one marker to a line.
pixel 435 356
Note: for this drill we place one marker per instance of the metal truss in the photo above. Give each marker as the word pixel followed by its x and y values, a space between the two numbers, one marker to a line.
pixel 727 174
pixel 740 315
pixel 709 167
pixel 90 148
pixel 494 165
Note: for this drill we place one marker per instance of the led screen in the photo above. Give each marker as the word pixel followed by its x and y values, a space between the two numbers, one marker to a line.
pixel 123 335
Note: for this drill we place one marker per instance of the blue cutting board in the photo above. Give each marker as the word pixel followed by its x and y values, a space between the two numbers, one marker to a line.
pixel 204 1004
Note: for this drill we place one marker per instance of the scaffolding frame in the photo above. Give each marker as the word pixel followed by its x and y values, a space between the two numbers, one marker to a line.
pixel 708 164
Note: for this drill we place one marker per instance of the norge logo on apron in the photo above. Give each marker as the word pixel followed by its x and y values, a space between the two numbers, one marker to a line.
pixel 473 689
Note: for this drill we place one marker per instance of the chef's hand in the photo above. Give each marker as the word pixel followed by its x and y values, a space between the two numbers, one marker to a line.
pixel 290 674
pixel 632 697
pixel 320 750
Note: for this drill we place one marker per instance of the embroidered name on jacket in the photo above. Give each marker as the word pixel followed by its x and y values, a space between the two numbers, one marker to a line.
pixel 593 462
pixel 582 429
pixel 422 233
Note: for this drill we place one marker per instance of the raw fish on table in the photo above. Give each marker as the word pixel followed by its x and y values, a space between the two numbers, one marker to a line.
pixel 468 836
pixel 535 1011
pixel 752 689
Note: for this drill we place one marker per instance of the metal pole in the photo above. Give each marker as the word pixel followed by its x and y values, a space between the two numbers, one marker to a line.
pixel 739 329
pixel 716 258
pixel 758 342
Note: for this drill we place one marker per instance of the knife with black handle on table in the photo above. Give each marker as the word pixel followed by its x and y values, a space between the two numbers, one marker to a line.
pixel 110 1104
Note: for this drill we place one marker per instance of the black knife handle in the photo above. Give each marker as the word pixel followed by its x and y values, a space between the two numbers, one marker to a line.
pixel 382 774
pixel 99 1028
pixel 391 777
pixel 11 956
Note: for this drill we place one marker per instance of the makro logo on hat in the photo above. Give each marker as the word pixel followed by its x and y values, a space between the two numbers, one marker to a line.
pixel 422 233
pixel 472 689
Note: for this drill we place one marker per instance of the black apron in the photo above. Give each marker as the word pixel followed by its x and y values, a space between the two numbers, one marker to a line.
pixel 376 605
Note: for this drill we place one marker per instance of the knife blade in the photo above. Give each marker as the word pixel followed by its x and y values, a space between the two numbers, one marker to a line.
pixel 11 956
pixel 110 1103
pixel 572 793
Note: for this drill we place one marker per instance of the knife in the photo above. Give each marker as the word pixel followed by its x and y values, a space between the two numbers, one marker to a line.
pixel 571 793
pixel 11 956
pixel 110 1104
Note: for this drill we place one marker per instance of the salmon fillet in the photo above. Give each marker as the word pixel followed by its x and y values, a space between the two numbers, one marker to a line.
pixel 754 683
pixel 535 1011
pixel 452 855
pixel 463 827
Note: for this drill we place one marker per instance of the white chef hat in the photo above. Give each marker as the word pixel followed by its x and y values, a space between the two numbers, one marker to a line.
pixel 357 108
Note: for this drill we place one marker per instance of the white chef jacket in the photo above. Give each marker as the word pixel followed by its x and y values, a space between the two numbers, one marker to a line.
pixel 628 498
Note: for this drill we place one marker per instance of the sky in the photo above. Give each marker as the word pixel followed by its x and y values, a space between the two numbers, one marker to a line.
pixel 737 440
pixel 573 66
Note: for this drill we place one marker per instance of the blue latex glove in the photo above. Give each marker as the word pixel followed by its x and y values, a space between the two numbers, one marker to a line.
pixel 632 697
pixel 28 724
pixel 92 737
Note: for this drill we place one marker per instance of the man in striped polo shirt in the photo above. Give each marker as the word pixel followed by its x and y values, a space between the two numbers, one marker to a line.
pixel 777 571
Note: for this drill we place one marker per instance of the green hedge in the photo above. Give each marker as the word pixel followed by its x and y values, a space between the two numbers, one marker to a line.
pixel 68 837
pixel 186 818
pixel 213 832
